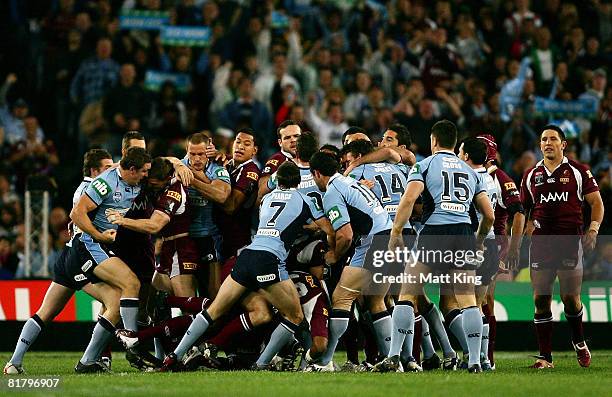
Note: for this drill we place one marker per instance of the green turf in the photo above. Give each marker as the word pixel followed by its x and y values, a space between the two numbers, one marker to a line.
pixel 511 379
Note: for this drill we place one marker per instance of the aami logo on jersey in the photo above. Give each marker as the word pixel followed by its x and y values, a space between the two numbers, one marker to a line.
pixel 554 197
pixel 265 278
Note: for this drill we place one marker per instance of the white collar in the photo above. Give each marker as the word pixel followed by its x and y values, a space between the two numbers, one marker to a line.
pixel 541 163
pixel 446 151
pixel 242 164
pixel 480 169
pixel 287 154
pixel 87 179
pixel 336 175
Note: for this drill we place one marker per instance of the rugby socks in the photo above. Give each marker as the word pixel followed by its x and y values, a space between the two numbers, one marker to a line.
pixel 418 336
pixel 160 352
pixel 128 308
pixel 543 326
pixel 191 304
pixel 472 328
pixel 28 335
pixel 170 328
pixel 282 335
pixel 434 319
pixel 402 328
pixel 338 323
pixel 198 326
pixel 575 322
pixel 101 335
pixel 382 327
pixel 232 330
pixel 492 331
pixel 455 325
pixel 484 344
pixel 426 344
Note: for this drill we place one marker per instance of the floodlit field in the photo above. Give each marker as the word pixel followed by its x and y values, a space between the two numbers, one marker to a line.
pixel 511 379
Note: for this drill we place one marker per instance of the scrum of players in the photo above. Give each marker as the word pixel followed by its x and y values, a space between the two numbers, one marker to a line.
pixel 273 267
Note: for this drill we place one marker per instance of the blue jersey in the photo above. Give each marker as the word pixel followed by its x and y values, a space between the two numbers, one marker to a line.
pixel 450 187
pixel 202 222
pixel 390 182
pixel 74 229
pixel 110 192
pixel 308 187
pixel 282 216
pixel 346 200
pixel 490 186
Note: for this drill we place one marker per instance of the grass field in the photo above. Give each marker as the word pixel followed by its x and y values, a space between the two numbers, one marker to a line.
pixel 512 378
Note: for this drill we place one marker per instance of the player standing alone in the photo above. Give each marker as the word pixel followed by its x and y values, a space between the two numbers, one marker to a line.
pixel 553 192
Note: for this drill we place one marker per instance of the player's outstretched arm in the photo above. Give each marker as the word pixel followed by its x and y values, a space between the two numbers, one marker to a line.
pixel 344 238
pixel 597 213
pixel 233 202
pixel 382 155
pixel 153 225
pixel 81 219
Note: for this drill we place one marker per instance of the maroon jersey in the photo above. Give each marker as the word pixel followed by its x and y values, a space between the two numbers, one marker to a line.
pixel 314 302
pixel 173 202
pixel 275 161
pixel 507 197
pixel 236 228
pixel 555 198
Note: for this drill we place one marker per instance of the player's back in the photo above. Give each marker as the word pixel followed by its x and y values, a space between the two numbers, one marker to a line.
pixel 390 182
pixel 74 229
pixel 307 186
pixel 507 196
pixel 487 182
pixel 367 216
pixel 450 187
pixel 282 215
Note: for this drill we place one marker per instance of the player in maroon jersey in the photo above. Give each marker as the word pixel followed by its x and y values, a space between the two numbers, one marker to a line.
pixel 508 206
pixel 553 193
pixel 171 219
pixel 288 132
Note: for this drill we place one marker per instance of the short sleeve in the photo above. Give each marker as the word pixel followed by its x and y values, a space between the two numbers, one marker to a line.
pixel 98 190
pixel 416 172
pixel 271 183
pixel 589 184
pixel 247 181
pixel 170 201
pixel 220 173
pixel 525 194
pixel 335 208
pixel 271 166
pixel 509 192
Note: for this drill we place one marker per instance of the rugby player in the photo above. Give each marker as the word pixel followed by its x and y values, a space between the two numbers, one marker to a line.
pixel 553 192
pixel 449 186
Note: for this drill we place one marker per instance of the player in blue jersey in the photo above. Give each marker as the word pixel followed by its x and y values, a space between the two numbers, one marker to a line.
pixel 449 186
pixel 474 152
pixel 68 278
pixel 115 190
pixel 261 267
pixel 356 216
pixel 211 185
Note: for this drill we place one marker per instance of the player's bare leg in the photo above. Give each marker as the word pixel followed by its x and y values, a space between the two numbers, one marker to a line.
pixel 183 285
pixel 214 279
pixel 116 273
pixel 481 301
pixel 570 283
pixel 56 298
pixel 161 282
pixel 542 281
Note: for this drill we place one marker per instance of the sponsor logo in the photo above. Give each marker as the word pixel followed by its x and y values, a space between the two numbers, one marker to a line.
pixel 117 196
pixel 550 180
pixel 252 175
pixel 197 201
pixel 554 197
pixel 334 214
pixel 174 195
pixel 474 335
pixel 509 185
pixel 268 232
pixel 80 277
pixel 222 173
pixel 564 180
pixel 325 312
pixel 272 162
pixel 404 331
pixel 416 169
pixel 454 207
pixel 87 266
pixel 101 187
pixel 536 223
pixel 265 278
pixel 392 209
pixel 190 265
pixel 27 342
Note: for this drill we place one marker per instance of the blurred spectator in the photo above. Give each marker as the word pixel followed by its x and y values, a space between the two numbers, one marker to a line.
pixel 331 128
pixel 543 61
pixel 13 119
pixel 125 105
pixel 268 87
pixel 8 259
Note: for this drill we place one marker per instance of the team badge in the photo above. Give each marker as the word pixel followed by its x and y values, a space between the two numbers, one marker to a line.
pixel 539 179
pixel 117 196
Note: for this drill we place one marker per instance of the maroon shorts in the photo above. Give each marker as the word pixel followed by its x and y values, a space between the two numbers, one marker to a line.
pixel 319 317
pixel 559 252
pixel 314 301
pixel 178 257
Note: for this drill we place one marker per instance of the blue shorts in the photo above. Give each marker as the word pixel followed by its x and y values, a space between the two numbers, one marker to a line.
pixel 68 269
pixel 364 244
pixel 444 247
pixel 490 266
pixel 92 254
pixel 257 269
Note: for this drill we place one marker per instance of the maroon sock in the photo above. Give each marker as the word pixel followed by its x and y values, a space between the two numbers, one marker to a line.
pixel 575 322
pixel 492 333
pixel 107 352
pixel 371 344
pixel 192 304
pixel 232 330
pixel 418 337
pixel 543 326
pixel 145 334
pixel 351 341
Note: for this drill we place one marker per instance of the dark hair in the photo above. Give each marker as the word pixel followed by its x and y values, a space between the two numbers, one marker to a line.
pixel 554 128
pixel 160 169
pixel 93 158
pixel 198 137
pixel 445 132
pixel 284 124
pixel 403 135
pixel 306 146
pixel 135 157
pixel 288 175
pixel 359 147
pixel 248 131
pixel 128 136
pixel 476 149
pixel 352 130
pixel 324 163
